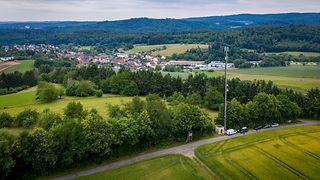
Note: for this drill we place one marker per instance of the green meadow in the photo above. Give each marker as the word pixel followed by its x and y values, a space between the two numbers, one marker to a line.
pixel 173 166
pixel 25 65
pixel 291 153
pixel 298 77
pixel 171 48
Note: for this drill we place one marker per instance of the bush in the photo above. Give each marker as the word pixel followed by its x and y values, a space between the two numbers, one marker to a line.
pixel 47 92
pixel 99 93
pixel 81 89
pixel 48 119
pixel 5 120
pixel 27 118
pixel 74 110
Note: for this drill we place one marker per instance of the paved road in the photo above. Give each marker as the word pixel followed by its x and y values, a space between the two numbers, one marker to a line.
pixel 187 149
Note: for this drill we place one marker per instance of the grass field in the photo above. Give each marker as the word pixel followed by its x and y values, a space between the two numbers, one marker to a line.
pixel 17 102
pixel 173 166
pixel 21 65
pixel 298 53
pixel 171 48
pixel 291 153
pixel 297 77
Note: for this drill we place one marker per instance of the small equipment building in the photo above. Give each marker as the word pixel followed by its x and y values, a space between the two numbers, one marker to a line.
pixel 219 129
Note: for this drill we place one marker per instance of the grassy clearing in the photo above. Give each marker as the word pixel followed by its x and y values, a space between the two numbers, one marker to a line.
pixel 173 166
pixel 291 153
pixel 21 65
pixel 17 102
pixel 171 48
pixel 25 65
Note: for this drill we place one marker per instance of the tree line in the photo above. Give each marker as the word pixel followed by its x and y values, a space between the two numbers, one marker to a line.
pixel 83 136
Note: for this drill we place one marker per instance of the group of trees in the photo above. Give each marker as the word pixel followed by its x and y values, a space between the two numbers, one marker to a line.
pixel 66 141
pixel 263 109
pixel 16 81
pixel 47 92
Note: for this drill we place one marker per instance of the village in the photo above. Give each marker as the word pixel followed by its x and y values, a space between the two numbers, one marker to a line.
pixel 135 61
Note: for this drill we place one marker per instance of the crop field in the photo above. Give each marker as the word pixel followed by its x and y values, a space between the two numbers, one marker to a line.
pixel 171 48
pixel 173 166
pixel 291 153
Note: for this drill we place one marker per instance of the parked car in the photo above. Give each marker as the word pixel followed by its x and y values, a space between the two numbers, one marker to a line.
pixel 267 126
pixel 231 132
pixel 290 121
pixel 257 127
pixel 274 125
pixel 243 130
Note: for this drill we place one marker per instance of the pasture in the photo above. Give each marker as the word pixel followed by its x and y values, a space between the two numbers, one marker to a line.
pixel 291 153
pixel 170 48
pixel 21 66
pixel 297 77
pixel 173 166
pixel 17 102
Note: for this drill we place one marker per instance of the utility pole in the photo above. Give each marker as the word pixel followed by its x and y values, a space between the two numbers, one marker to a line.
pixel 226 50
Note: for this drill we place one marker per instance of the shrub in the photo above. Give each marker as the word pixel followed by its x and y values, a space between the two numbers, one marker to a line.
pixel 99 93
pixel 5 120
pixel 27 118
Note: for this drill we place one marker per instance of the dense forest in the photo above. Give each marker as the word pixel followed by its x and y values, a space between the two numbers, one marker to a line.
pixel 261 39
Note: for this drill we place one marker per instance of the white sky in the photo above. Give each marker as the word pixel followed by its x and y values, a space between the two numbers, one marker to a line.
pixel 88 10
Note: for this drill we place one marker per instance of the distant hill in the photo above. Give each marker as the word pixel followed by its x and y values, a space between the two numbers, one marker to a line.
pixel 197 23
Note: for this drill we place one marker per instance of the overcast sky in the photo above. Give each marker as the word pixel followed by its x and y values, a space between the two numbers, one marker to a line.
pixel 48 10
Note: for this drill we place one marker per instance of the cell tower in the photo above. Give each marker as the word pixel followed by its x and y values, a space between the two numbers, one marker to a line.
pixel 226 50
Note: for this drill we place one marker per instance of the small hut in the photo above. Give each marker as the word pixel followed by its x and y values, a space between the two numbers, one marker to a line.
pixel 219 129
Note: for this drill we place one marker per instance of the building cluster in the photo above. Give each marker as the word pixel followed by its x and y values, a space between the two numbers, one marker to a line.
pixel 135 61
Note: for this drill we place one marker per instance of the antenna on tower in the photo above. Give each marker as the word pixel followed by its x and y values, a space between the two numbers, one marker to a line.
pixel 226 50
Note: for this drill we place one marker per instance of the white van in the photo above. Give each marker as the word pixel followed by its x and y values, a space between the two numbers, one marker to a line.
pixel 231 132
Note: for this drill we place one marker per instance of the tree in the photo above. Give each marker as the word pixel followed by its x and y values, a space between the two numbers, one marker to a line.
pixel 136 106
pixel 288 109
pixel 5 120
pixel 195 99
pixel 236 115
pixel 74 110
pixel 81 89
pixel 47 92
pixel 7 161
pixel 252 114
pixel 269 108
pixel 213 98
pixel 98 136
pixel 187 117
pixel 145 125
pixel 177 98
pixel 27 118
pixel 312 106
pixel 131 89
pixel 48 119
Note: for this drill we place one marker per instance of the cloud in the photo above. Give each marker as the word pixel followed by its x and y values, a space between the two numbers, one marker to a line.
pixel 41 10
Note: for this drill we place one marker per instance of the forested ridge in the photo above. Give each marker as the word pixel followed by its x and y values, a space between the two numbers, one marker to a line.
pixel 261 39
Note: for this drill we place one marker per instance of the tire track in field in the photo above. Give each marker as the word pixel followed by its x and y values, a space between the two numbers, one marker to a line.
pixel 297 147
pixel 215 149
pixel 281 163
pixel 236 165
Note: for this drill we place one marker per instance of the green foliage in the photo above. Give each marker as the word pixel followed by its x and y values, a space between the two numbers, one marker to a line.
pixel 81 89
pixel 312 106
pixel 74 110
pixel 47 92
pixel 177 98
pixel 187 117
pixel 131 89
pixel 7 162
pixel 98 135
pixel 136 106
pixel 6 120
pixel 213 98
pixel 288 109
pixel 269 108
pixel 195 99
pixel 99 93
pixel 27 118
pixel 48 119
